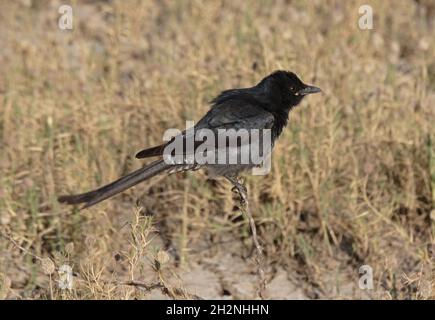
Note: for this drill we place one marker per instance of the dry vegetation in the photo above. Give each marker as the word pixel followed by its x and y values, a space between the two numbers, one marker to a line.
pixel 353 176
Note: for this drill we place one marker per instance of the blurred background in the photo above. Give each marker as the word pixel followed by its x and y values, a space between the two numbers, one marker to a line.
pixel 353 175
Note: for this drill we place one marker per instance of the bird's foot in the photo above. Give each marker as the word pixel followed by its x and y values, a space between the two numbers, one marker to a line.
pixel 239 188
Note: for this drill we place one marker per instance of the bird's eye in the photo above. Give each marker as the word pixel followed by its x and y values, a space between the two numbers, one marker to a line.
pixel 291 88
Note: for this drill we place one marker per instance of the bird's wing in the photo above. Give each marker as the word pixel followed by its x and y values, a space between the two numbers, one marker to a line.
pixel 236 114
pixel 229 115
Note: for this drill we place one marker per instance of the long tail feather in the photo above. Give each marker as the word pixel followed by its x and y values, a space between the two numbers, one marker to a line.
pixel 95 196
pixel 151 152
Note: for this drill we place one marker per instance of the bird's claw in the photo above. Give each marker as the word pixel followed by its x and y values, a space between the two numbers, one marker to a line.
pixel 242 192
pixel 240 189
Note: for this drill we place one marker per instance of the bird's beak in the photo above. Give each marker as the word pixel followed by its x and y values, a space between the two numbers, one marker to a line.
pixel 308 90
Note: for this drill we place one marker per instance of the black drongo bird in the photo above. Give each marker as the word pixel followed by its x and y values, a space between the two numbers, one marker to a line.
pixel 263 106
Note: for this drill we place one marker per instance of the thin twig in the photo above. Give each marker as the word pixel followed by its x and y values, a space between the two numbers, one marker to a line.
pixel 9 237
pixel 142 285
pixel 259 257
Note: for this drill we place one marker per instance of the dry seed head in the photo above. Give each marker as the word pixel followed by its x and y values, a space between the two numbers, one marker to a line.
pixel 69 248
pixel 58 257
pixel 47 266
pixel 90 241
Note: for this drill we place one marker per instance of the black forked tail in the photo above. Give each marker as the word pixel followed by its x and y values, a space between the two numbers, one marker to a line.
pixel 93 197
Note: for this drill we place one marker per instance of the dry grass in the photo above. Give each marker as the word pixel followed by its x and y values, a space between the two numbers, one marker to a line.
pixel 353 176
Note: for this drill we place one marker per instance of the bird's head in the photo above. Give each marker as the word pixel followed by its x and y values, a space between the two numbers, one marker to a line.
pixel 286 88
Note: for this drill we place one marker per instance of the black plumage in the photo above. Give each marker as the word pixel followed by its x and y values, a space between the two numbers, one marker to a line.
pixel 263 106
